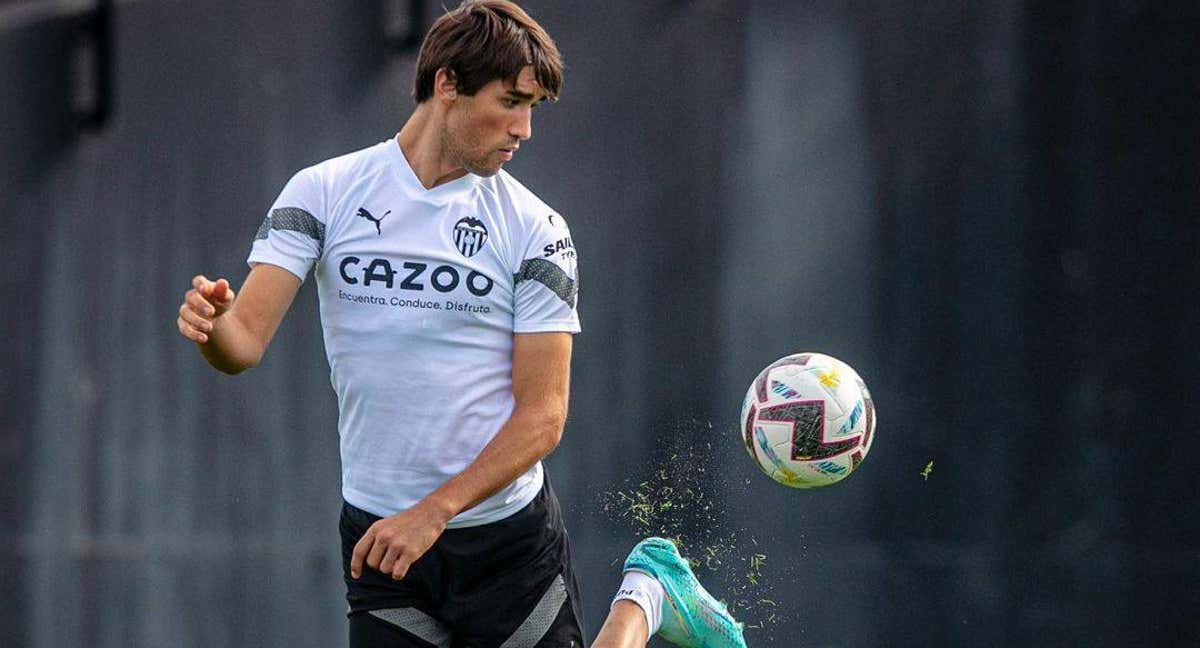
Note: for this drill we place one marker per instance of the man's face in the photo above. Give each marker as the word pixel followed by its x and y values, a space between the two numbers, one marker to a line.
pixel 484 131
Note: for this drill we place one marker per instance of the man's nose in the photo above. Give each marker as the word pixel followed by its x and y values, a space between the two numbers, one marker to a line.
pixel 522 127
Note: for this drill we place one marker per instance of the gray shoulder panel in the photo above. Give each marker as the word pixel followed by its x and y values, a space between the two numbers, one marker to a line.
pixel 550 275
pixel 296 220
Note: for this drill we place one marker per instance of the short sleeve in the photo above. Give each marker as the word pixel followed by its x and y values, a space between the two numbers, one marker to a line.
pixel 546 285
pixel 292 236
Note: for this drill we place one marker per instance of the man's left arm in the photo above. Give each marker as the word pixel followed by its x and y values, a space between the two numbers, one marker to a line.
pixel 541 383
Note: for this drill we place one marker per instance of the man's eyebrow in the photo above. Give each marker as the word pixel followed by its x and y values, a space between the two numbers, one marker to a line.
pixel 524 96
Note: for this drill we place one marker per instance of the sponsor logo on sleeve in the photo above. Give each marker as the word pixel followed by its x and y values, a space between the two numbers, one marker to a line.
pixel 564 245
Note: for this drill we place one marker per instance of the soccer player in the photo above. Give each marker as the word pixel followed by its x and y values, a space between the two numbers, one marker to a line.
pixel 448 303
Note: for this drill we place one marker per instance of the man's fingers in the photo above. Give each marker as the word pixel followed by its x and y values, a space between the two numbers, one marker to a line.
pixel 198 308
pixel 221 292
pixel 400 569
pixel 376 554
pixel 205 287
pixel 199 304
pixel 405 559
pixel 361 548
pixel 190 332
pixel 197 322
pixel 389 559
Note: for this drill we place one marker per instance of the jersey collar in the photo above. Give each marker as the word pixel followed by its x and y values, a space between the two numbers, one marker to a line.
pixel 440 194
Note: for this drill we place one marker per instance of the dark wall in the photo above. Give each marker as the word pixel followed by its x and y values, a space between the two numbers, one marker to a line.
pixel 1036 173
pixel 987 209
pixel 33 132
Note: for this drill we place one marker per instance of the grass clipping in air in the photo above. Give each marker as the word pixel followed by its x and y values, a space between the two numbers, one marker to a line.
pixel 678 499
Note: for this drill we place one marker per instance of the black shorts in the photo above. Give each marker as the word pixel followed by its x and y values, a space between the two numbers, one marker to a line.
pixel 508 583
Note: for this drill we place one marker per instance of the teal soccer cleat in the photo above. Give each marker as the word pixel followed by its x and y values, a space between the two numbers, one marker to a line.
pixel 692 618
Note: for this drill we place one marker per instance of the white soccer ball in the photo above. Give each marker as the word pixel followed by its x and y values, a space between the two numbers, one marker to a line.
pixel 808 420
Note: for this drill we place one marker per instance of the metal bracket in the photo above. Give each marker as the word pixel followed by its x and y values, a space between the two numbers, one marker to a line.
pixel 92 49
pixel 414 23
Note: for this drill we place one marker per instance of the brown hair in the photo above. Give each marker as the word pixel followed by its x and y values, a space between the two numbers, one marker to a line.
pixel 485 40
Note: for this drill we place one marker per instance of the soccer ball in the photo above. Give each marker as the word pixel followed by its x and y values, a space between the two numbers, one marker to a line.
pixel 808 420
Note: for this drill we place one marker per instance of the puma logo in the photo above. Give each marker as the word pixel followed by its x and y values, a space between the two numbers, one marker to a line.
pixel 363 213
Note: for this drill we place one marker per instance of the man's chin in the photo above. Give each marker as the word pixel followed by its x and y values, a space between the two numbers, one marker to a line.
pixel 484 171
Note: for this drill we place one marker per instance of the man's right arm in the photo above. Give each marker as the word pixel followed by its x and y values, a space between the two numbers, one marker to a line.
pixel 233 332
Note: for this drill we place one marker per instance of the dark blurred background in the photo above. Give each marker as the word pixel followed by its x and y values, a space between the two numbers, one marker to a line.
pixel 988 208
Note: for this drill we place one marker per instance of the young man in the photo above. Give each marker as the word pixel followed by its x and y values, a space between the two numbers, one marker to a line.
pixel 448 294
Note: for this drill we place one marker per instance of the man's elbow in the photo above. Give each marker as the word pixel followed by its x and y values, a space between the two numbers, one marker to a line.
pixel 231 368
pixel 550 430
pixel 234 369
pixel 234 365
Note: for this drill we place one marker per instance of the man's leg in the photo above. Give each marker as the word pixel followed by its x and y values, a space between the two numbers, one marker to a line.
pixel 660 595
pixel 511 583
pixel 382 611
pixel 625 627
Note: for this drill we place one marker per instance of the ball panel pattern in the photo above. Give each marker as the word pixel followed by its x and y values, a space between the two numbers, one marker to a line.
pixel 807 420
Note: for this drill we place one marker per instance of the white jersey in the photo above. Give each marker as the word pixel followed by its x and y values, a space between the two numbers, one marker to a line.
pixel 421 291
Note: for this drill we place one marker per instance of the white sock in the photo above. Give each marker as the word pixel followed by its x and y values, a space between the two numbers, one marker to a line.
pixel 647 592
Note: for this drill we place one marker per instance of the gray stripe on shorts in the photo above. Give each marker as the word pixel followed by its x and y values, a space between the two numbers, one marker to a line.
pixel 418 623
pixel 539 621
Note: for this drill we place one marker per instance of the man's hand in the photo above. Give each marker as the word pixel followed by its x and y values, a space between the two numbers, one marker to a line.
pixel 393 544
pixel 202 305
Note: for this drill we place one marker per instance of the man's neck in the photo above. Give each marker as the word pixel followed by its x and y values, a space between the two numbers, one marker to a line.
pixel 421 144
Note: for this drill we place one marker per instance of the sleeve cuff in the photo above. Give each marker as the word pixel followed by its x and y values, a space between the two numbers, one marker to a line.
pixel 550 326
pixel 294 266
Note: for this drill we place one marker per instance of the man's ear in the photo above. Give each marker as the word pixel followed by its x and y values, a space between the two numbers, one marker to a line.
pixel 445 84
